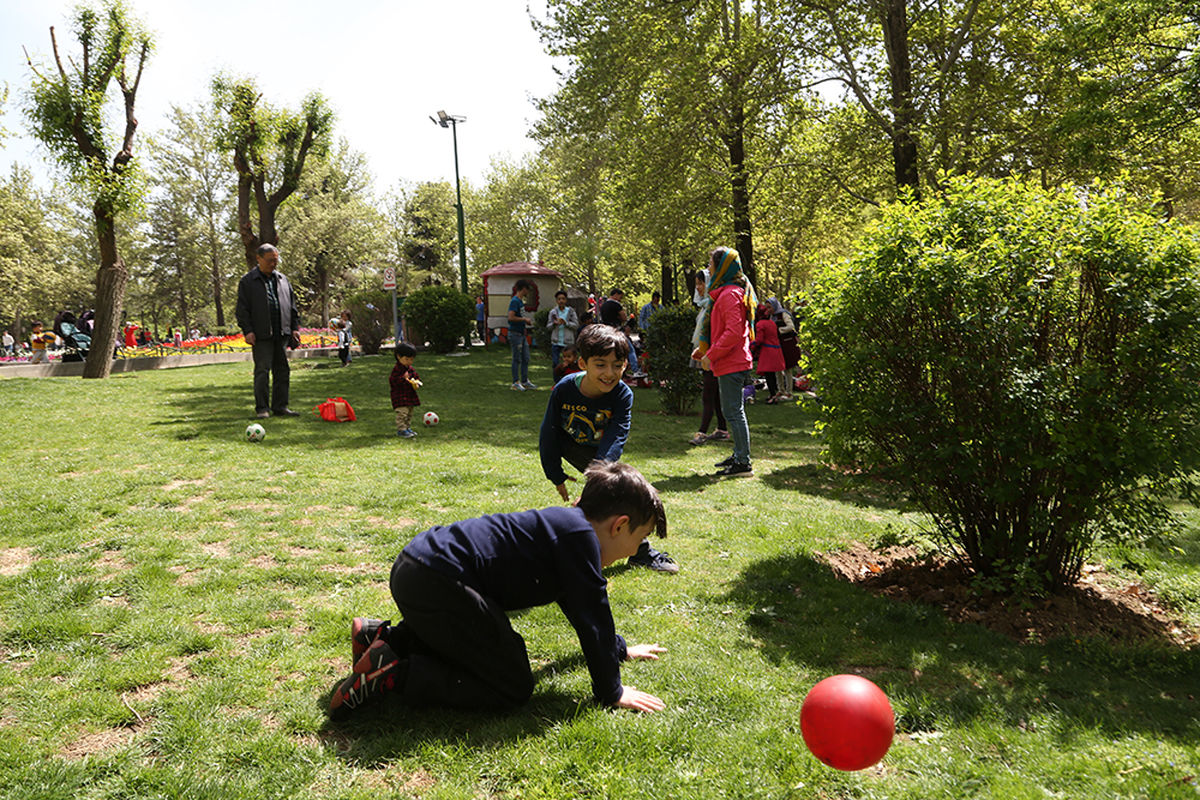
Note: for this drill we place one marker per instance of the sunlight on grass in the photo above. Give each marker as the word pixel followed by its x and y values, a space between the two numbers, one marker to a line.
pixel 175 604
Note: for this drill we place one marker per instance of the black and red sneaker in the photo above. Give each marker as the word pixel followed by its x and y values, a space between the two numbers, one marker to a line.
pixel 378 671
pixel 363 631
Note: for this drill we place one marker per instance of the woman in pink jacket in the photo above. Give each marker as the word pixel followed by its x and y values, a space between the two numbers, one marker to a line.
pixel 725 349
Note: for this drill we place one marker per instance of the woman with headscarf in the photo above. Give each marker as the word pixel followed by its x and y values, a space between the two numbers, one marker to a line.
pixel 724 348
pixel 709 397
pixel 789 344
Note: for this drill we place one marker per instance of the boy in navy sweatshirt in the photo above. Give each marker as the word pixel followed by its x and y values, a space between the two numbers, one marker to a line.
pixel 454 584
pixel 587 420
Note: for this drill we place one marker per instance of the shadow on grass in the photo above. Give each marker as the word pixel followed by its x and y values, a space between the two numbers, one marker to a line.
pixel 379 735
pixel 821 481
pixel 937 671
pixel 212 411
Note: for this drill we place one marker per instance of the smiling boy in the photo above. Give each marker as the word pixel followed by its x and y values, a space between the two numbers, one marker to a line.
pixel 587 420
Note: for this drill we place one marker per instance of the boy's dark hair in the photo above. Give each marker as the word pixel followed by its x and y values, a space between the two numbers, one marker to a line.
pixel 615 292
pixel 37 323
pixel 404 349
pixel 522 283
pixel 600 340
pixel 616 488
pixel 570 349
pixel 560 291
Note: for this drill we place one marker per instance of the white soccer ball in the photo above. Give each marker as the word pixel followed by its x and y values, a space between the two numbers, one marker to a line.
pixel 431 418
pixel 255 432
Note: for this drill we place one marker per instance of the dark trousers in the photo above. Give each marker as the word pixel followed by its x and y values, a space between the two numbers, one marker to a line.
pixel 271 364
pixel 711 400
pixel 463 651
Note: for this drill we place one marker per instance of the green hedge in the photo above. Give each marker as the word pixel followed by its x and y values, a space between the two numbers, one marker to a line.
pixel 669 343
pixel 440 315
pixel 1026 362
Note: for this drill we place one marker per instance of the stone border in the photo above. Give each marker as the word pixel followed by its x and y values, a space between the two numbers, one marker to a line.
pixel 74 369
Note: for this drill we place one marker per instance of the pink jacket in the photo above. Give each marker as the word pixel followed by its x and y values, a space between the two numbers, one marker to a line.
pixel 766 341
pixel 729 332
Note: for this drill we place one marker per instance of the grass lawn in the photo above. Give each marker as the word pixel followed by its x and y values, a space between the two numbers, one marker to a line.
pixel 175 604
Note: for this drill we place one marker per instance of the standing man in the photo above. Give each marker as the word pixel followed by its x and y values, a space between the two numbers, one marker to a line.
pixel 648 311
pixel 563 323
pixel 267 315
pixel 10 344
pixel 516 336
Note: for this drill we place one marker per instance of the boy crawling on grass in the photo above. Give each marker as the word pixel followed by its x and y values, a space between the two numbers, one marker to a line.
pixel 454 584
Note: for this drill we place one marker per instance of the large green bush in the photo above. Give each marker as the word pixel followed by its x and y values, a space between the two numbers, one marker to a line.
pixel 669 343
pixel 1026 362
pixel 441 314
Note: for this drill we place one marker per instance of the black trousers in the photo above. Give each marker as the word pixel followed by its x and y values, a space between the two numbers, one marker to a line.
pixel 465 653
pixel 271 364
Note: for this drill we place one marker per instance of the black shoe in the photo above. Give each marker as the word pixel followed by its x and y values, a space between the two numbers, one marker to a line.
pixel 363 632
pixel 727 462
pixel 264 414
pixel 736 471
pixel 286 412
pixel 378 671
pixel 656 560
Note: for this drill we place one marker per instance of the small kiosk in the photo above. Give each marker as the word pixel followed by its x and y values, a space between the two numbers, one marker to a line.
pixel 498 285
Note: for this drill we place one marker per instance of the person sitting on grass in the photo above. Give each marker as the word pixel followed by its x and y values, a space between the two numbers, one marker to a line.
pixel 454 584
pixel 587 419
pixel 404 382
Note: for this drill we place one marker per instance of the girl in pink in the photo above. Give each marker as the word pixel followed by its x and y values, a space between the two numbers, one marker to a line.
pixel 724 348
pixel 768 351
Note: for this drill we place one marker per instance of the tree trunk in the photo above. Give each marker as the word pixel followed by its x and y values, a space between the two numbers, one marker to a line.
pixel 743 238
pixel 110 298
pixel 904 112
pixel 214 253
pixel 666 276
pixel 245 229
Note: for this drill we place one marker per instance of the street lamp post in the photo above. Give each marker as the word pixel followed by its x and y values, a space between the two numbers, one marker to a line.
pixel 451 121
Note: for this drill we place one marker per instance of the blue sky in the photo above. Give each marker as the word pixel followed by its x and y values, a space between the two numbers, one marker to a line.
pixel 384 65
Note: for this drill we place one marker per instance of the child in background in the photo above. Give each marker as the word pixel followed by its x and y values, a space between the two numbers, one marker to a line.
pixel 405 381
pixel 768 354
pixel 345 334
pixel 587 420
pixel 568 363
pixel 455 584
pixel 38 342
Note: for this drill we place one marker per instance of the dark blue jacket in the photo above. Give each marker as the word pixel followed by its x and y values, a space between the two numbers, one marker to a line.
pixel 253 312
pixel 534 558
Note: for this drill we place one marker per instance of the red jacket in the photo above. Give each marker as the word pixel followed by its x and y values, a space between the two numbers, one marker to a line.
pixel 403 393
pixel 729 331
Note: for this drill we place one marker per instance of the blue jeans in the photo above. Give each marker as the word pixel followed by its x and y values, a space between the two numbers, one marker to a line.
pixel 733 407
pixel 520 358
pixel 555 354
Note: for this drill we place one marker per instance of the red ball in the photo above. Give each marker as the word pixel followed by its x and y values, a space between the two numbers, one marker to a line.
pixel 847 722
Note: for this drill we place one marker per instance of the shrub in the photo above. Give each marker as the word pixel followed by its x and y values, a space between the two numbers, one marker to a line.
pixel 371 313
pixel 669 343
pixel 1026 362
pixel 442 314
pixel 541 336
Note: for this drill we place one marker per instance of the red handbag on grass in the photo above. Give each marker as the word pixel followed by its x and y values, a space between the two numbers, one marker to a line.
pixel 336 409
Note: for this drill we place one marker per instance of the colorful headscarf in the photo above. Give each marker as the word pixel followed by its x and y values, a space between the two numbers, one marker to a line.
pixel 726 270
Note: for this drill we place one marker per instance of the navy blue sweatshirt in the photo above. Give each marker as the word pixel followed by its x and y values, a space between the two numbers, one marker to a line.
pixel 534 558
pixel 593 422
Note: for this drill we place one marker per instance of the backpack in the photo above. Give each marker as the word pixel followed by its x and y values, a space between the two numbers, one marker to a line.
pixel 336 409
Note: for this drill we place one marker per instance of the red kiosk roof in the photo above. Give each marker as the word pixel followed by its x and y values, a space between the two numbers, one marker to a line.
pixel 522 268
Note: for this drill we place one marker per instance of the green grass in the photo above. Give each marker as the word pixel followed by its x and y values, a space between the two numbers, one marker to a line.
pixel 175 604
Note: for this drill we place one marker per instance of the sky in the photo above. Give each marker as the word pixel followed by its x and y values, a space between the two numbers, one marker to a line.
pixel 385 66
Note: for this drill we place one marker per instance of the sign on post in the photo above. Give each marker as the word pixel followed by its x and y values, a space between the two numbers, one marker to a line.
pixel 389 278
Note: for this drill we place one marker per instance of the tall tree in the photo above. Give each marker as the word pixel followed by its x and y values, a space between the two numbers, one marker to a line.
pixel 193 188
pixel 67 110
pixel 269 147
pixel 331 228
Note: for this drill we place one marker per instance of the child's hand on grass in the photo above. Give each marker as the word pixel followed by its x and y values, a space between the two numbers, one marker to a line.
pixel 562 490
pixel 646 651
pixel 634 700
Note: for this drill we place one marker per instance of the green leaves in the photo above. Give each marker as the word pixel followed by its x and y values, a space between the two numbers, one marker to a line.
pixel 1027 361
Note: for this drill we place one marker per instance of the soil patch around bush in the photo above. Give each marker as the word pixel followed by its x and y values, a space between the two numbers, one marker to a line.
pixel 1099 605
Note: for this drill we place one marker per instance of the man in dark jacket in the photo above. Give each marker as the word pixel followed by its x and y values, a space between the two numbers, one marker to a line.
pixel 266 313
